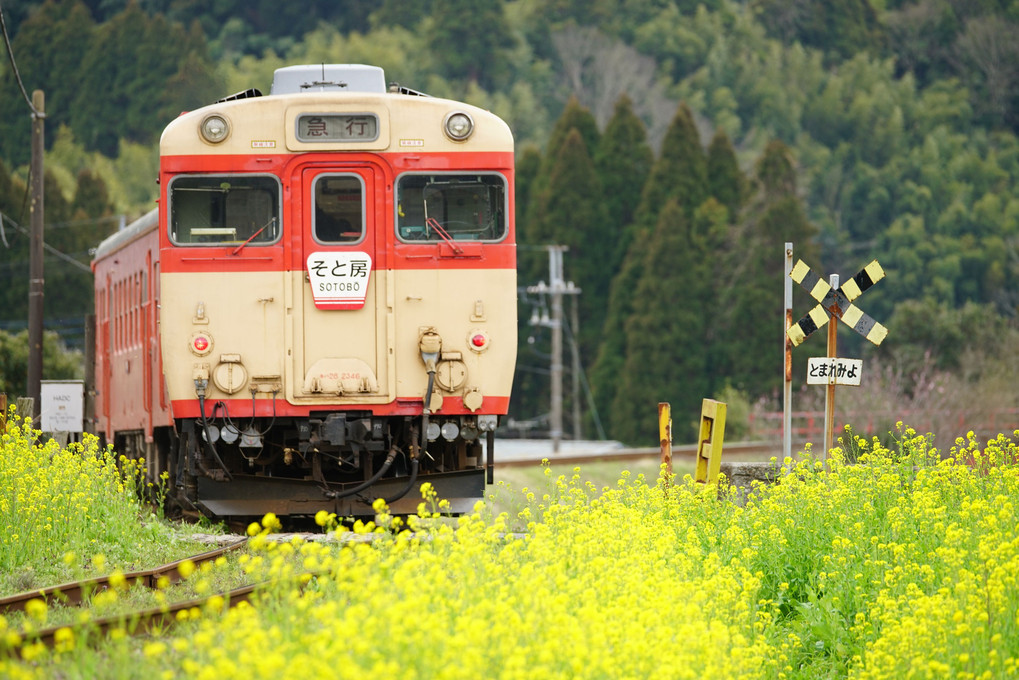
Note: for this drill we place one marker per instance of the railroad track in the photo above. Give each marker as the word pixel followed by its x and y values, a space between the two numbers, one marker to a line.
pixel 75 593
pixel 143 621
pixel 733 451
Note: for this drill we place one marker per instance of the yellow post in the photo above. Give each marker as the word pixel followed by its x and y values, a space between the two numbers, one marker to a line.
pixel 709 443
pixel 665 434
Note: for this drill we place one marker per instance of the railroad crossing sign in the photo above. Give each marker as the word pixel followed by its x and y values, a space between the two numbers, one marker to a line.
pixel 837 302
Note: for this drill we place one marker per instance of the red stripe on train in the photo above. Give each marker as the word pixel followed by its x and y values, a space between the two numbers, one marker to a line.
pixel 241 408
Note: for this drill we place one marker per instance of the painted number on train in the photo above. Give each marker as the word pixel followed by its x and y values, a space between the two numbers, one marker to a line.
pixel 339 280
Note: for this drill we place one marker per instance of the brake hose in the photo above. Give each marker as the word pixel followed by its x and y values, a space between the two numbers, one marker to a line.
pixel 210 448
pixel 343 493
pixel 410 483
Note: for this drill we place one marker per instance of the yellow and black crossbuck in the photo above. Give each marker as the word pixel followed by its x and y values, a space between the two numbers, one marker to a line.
pixel 837 302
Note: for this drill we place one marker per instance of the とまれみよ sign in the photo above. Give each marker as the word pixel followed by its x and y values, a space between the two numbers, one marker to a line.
pixel 831 371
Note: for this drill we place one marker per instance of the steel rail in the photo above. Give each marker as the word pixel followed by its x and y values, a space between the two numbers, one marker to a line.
pixel 142 621
pixel 736 449
pixel 76 591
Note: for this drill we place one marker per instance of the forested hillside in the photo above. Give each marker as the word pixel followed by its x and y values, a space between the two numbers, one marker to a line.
pixel 674 146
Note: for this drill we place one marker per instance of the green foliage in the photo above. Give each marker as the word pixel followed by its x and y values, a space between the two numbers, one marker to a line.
pixel 73 225
pixel 49 46
pixel 665 357
pixel 58 362
pixel 123 78
pixel 725 179
pixel 840 27
pixel 171 74
pixel 932 332
pixel 624 159
pixel 537 227
pixel 679 175
pixel 464 35
pixel 737 413
pixel 753 275
pixel 580 222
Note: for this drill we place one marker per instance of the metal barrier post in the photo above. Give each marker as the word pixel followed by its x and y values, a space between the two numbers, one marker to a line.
pixel 665 435
pixel 709 443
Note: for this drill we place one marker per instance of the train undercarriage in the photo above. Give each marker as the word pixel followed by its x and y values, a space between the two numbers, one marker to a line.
pixel 340 462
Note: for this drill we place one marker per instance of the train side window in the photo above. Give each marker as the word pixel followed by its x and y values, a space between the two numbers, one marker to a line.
pixel 338 209
pixel 224 209
pixel 455 206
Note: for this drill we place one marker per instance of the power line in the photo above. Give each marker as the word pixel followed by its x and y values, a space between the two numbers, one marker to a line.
pixel 14 66
pixel 63 256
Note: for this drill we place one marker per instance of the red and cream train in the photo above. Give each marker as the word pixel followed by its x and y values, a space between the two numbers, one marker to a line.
pixel 322 310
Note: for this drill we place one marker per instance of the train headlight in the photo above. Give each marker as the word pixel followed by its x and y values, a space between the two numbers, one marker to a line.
pixel 450 430
pixel 214 129
pixel 469 431
pixel 458 126
pixel 433 431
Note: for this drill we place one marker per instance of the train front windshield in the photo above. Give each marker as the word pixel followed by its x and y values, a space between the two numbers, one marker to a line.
pixel 461 207
pixel 224 209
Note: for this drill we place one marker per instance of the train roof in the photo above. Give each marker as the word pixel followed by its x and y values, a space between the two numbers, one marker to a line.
pixel 407 121
pixel 128 234
pixel 328 78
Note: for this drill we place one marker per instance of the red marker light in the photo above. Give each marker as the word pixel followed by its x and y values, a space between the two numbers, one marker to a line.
pixel 201 343
pixel 478 340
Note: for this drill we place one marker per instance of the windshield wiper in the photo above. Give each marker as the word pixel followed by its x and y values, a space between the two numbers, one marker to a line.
pixel 272 220
pixel 434 224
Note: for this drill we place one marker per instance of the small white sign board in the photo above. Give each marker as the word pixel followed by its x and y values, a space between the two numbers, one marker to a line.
pixel 829 371
pixel 339 280
pixel 63 405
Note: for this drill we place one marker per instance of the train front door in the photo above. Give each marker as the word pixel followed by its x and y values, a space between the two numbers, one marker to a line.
pixel 341 344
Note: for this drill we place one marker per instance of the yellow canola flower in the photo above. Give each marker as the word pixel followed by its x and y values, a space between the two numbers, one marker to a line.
pixel 104 598
pixel 186 568
pixel 271 523
pixel 154 649
pixel 117 580
pixel 36 609
pixel 215 603
pixel 63 639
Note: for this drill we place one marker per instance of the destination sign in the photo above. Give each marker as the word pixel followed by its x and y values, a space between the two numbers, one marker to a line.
pixel 337 127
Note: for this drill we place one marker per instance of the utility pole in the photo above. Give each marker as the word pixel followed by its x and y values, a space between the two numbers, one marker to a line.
pixel 575 355
pixel 555 290
pixel 555 277
pixel 35 276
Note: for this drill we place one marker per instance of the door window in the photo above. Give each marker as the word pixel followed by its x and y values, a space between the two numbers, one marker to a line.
pixel 338 209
